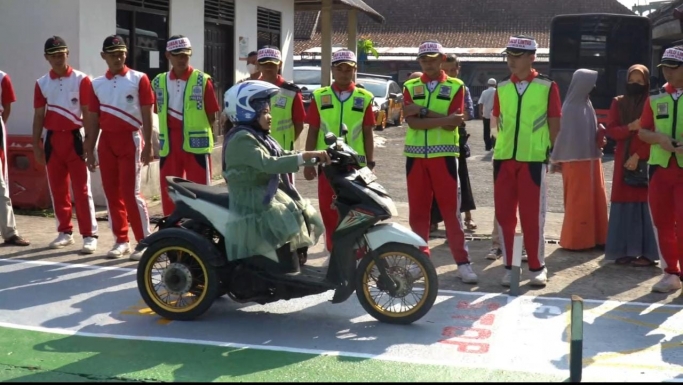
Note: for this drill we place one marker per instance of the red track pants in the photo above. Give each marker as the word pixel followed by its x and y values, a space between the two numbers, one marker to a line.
pixel 521 183
pixel 329 214
pixel 436 177
pixel 178 162
pixel 64 157
pixel 666 207
pixel 119 156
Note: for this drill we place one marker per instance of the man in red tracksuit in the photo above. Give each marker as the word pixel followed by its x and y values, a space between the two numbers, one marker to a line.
pixel 433 108
pixel 527 109
pixel 662 128
pixel 8 225
pixel 120 104
pixel 60 101
pixel 173 92
pixel 344 67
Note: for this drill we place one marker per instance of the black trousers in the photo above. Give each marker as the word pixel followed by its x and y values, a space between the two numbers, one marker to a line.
pixel 487 134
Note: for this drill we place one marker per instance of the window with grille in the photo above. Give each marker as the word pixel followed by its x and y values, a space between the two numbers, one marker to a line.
pixel 143 24
pixel 268 27
pixel 219 11
pixel 150 5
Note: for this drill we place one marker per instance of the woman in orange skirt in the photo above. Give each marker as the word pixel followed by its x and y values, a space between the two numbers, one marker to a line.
pixel 578 153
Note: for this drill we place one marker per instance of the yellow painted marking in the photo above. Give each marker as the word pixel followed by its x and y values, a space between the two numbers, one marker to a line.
pixel 141 309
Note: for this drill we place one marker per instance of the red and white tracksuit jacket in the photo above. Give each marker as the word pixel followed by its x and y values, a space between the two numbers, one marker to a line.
pixel 63 98
pixel 119 99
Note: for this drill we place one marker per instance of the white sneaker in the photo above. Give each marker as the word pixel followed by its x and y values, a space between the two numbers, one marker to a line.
pixel 466 274
pixel 525 258
pixel 494 254
pixel 89 245
pixel 62 240
pixel 667 284
pixel 137 255
pixel 539 278
pixel 119 250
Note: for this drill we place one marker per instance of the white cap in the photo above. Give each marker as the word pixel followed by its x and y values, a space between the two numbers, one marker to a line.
pixel 672 57
pixel 517 45
pixel 430 49
pixel 492 82
pixel 269 55
pixel 344 56
pixel 179 45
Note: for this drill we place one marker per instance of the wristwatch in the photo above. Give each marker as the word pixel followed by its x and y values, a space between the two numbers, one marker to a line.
pixel 424 112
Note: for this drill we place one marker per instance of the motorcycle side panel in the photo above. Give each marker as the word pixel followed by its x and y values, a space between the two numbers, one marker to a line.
pixel 218 217
pixel 392 232
pixel 197 240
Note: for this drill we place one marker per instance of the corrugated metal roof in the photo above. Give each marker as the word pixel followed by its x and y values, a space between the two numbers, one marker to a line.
pixel 359 5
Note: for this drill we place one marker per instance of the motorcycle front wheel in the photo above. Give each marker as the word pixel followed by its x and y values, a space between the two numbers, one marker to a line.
pixel 176 281
pixel 416 279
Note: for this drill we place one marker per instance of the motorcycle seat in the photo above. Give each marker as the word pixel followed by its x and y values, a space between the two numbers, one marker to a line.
pixel 217 195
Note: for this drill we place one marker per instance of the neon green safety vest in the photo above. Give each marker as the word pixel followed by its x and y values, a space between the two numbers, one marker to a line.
pixel 435 142
pixel 523 131
pixel 282 126
pixel 351 112
pixel 668 116
pixel 197 133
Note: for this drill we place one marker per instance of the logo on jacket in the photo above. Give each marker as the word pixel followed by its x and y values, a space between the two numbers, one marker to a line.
pixel 419 90
pixel 281 102
pixel 130 98
pixel 74 101
pixel 197 94
pixel 326 100
pixel 358 103
pixel 445 91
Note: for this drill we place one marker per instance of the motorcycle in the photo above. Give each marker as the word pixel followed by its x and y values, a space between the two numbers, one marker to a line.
pixel 195 267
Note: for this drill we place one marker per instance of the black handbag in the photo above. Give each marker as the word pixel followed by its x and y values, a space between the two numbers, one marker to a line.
pixel 637 177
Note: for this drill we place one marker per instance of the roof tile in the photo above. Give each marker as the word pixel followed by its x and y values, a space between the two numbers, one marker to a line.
pixel 455 23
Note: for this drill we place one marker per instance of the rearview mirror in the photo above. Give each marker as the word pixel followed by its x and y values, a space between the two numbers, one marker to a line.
pixel 344 130
pixel 330 139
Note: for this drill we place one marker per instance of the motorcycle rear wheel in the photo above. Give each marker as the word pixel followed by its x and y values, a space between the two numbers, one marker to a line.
pixel 405 278
pixel 189 275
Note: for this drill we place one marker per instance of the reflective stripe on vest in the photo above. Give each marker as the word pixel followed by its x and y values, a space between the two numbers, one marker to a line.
pixel 351 112
pixel 197 132
pixel 668 117
pixel 282 127
pixel 435 142
pixel 523 131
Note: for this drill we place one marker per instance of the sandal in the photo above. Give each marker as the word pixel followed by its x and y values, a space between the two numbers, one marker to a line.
pixel 469 223
pixel 642 262
pixel 625 260
pixel 16 240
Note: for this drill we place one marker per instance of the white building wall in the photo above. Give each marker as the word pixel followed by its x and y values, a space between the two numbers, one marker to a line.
pixel 187 18
pixel 245 26
pixel 26 24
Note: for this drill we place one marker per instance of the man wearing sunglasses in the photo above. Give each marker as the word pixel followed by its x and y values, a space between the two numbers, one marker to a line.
pixel 527 109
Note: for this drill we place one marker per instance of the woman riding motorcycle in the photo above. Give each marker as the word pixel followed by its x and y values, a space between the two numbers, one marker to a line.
pixel 270 213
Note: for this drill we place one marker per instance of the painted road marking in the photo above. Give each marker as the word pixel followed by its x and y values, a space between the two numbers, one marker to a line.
pixel 474 330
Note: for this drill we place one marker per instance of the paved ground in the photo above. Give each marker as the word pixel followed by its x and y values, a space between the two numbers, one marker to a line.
pixel 35 297
pixel 52 312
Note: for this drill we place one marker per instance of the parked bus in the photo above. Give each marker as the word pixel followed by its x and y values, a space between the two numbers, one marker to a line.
pixel 606 43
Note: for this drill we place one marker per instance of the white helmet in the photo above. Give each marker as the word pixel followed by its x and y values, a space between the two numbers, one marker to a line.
pixel 239 99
